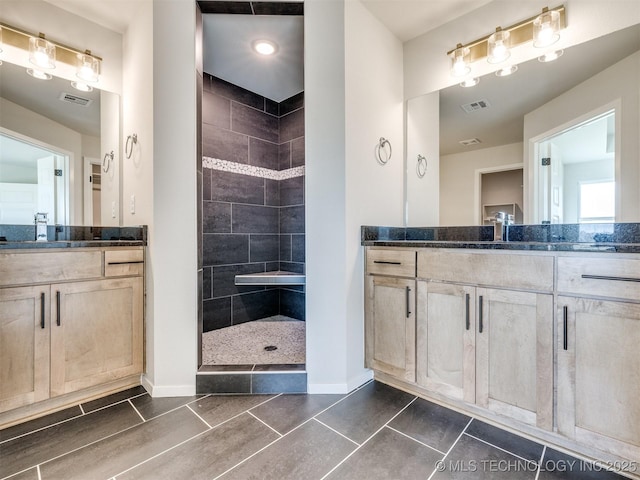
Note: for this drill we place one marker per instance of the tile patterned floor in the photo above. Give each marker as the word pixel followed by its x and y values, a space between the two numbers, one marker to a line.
pixel 375 432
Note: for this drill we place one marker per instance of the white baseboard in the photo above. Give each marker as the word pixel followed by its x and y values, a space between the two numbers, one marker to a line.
pixel 340 388
pixel 157 391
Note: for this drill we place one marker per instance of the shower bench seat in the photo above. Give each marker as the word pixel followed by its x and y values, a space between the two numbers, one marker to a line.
pixel 278 277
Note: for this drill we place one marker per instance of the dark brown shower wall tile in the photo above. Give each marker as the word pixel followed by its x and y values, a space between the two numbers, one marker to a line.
pixel 292 126
pixel 236 93
pixel 224 144
pixel 236 188
pixel 216 110
pixel 254 123
pixel 264 248
pixel 284 152
pixel 216 217
pixel 272 192
pixel 254 219
pixel 254 306
pixel 225 249
pixel 224 279
pixel 278 8
pixel 285 248
pixel 263 154
pixel 206 183
pixel 223 383
pixel 225 7
pixel 292 191
pixel 292 219
pixel 109 457
pixel 297 248
pixel 210 454
pixel 271 107
pixel 292 304
pixel 38 447
pixel 216 314
pixel 292 103
pixel 207 283
pixel 297 152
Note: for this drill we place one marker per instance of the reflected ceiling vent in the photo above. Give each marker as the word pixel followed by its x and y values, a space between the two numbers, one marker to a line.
pixel 471 141
pixel 75 99
pixel 474 106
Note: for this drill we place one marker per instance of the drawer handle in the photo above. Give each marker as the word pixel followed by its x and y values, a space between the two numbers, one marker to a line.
pixel 480 314
pixel 565 327
pixel 58 319
pixel 605 277
pixel 387 263
pixel 467 321
pixel 125 263
pixel 408 291
pixel 42 310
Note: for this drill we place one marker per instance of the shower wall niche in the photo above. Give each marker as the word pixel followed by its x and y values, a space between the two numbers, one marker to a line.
pixel 253 203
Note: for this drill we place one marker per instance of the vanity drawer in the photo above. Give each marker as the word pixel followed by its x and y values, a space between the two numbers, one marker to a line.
pixel 514 271
pixel 46 267
pixel 388 261
pixel 602 277
pixel 120 263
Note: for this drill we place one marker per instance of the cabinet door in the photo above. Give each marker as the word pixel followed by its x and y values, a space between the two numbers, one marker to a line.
pixel 96 332
pixel 514 355
pixel 24 346
pixel 391 326
pixel 445 354
pixel 599 374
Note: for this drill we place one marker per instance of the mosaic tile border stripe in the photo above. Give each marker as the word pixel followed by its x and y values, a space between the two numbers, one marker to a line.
pixel 234 167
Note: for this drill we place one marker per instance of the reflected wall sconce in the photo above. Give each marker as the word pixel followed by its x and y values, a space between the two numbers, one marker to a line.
pixel 542 31
pixel 43 54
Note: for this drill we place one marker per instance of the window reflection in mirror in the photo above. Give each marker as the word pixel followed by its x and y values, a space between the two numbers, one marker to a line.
pixel 33 179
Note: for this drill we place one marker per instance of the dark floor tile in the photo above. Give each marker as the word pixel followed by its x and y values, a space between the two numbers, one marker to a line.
pixel 292 103
pixel 31 474
pixel 284 155
pixel 38 423
pixel 224 279
pixel 209 454
pixel 264 248
pixel 436 426
pixel 297 152
pixel 309 452
pixel 216 409
pixel 475 460
pixel 254 123
pixel 108 457
pixel 292 219
pixel 388 455
pixel 366 410
pixel 216 217
pixel 254 306
pixel 216 110
pixel 113 398
pixel 267 382
pixel 238 383
pixel 237 188
pixel 501 438
pixel 263 154
pixel 225 249
pixel 297 248
pixel 272 192
pixel 150 407
pixel 292 191
pixel 292 126
pixel 559 466
pixel 25 452
pixel 254 219
pixel 216 313
pixel 224 144
pixel 286 412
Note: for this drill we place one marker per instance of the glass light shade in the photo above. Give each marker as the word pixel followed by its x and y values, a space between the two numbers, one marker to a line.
pixel 498 46
pixel 550 56
pixel 88 68
pixel 39 74
pixel 83 87
pixel 42 53
pixel 470 82
pixel 546 28
pixel 460 61
pixel 506 71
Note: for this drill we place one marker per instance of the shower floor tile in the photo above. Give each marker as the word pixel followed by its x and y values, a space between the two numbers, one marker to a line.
pixel 245 344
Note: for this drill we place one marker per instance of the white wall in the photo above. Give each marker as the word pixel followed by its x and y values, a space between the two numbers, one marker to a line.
pixel 459 194
pixel 619 84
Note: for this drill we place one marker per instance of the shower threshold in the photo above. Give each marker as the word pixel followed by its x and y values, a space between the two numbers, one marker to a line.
pixel 278 277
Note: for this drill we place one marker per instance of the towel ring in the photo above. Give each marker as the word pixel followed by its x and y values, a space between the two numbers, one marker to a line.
pixel 421 166
pixel 131 141
pixel 383 142
pixel 106 161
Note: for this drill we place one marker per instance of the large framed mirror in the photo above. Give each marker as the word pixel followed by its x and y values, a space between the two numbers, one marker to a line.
pixel 54 141
pixel 538 144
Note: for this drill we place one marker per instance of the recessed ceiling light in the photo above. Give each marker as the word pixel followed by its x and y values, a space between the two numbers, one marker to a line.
pixel 265 47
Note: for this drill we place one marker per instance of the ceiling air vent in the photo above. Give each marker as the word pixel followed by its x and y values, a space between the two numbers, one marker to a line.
pixel 75 99
pixel 474 106
pixel 471 141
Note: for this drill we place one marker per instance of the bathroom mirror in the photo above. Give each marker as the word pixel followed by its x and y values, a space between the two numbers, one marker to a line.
pixel 492 136
pixel 53 139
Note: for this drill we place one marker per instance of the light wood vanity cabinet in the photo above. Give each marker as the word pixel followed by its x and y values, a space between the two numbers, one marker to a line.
pixel 61 335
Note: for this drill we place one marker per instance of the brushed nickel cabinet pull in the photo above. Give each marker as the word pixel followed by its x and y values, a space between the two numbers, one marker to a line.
pixel 565 327
pixel 606 277
pixel 125 263
pixel 480 314
pixel 42 310
pixel 387 263
pixel 58 320
pixel 408 291
pixel 467 321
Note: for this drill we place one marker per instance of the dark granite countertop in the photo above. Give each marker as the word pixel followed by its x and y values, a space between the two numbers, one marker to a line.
pixel 606 237
pixel 23 237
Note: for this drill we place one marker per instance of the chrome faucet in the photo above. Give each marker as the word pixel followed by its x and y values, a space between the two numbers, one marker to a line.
pixel 500 226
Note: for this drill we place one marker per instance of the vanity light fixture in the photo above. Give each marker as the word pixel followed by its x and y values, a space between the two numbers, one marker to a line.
pixel 498 46
pixel 550 56
pixel 88 68
pixel 460 61
pixel 265 47
pixel 42 53
pixel 546 28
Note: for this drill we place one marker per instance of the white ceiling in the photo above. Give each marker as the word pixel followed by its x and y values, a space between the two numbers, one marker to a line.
pixel 115 15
